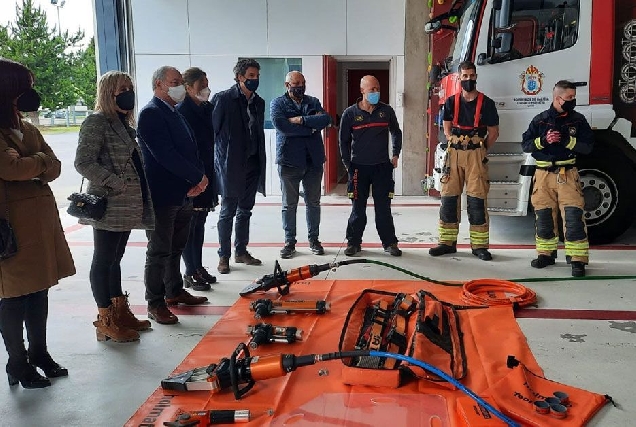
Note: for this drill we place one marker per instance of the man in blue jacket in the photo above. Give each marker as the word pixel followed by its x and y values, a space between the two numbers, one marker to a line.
pixel 174 173
pixel 300 154
pixel 238 119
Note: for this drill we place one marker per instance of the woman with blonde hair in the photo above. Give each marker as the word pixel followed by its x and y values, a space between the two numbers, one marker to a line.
pixel 109 157
pixel 27 165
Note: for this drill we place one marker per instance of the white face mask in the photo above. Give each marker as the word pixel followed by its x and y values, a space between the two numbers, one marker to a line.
pixel 204 94
pixel 177 93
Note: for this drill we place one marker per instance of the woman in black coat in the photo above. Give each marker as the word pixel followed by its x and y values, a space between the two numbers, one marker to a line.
pixel 198 113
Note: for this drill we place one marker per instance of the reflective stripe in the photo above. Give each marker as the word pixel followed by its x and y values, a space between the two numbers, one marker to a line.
pixel 545 164
pixel 547 244
pixel 448 234
pixel 479 237
pixel 537 143
pixel 580 249
pixel 571 144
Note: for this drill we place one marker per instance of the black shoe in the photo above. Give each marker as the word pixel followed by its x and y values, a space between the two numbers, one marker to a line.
pixel 578 269
pixel 203 274
pixel 554 255
pixel 442 249
pixel 352 250
pixel 288 251
pixel 28 376
pixel 316 247
pixel 483 254
pixel 542 261
pixel 568 259
pixel 195 282
pixel 393 250
pixel 49 366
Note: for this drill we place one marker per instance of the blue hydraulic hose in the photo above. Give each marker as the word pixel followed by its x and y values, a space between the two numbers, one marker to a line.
pixel 450 379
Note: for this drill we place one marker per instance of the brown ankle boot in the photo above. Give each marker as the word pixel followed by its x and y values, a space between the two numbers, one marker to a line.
pixel 124 317
pixel 107 328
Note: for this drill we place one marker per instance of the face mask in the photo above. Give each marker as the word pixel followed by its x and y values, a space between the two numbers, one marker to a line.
pixel 297 92
pixel 204 94
pixel 373 97
pixel 469 85
pixel 125 100
pixel 29 101
pixel 251 84
pixel 177 93
pixel 569 105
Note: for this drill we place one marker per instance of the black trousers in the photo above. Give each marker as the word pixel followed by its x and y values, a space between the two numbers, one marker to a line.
pixel 32 311
pixel 105 272
pixel 165 245
pixel 380 178
pixel 193 252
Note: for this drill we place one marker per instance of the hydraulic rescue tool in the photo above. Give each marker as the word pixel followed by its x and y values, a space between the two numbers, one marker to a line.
pixel 208 418
pixel 267 307
pixel 232 372
pixel 267 333
pixel 282 279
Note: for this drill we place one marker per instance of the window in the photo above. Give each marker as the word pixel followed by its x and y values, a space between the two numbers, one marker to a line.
pixel 272 80
pixel 538 27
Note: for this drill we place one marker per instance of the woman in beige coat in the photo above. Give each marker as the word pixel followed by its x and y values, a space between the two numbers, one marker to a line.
pixel 27 165
pixel 109 157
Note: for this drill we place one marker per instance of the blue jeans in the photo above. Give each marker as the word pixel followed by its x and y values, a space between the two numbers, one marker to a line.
pixel 290 178
pixel 241 207
pixel 193 251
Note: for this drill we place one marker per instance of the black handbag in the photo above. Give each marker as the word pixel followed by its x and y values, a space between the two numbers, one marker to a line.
pixel 8 242
pixel 85 205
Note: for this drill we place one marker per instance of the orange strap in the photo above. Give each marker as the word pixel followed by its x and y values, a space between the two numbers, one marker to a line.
pixel 480 103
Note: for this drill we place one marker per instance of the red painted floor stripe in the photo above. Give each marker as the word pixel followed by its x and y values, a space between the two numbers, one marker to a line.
pixel 403 245
pixel 73 228
pixel 527 313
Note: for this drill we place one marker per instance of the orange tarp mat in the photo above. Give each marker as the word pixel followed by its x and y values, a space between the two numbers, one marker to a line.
pixel 306 398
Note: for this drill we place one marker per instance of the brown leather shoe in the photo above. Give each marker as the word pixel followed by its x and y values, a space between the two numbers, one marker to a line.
pixel 186 298
pixel 224 265
pixel 247 258
pixel 162 315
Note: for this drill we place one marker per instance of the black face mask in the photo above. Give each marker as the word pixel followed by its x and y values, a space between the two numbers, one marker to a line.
pixel 297 92
pixel 126 100
pixel 569 106
pixel 469 85
pixel 29 101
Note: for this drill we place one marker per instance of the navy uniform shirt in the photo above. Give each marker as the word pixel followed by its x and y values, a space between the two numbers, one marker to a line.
pixel 364 136
pixel 467 109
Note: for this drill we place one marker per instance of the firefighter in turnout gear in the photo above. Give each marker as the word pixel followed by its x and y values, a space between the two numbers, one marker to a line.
pixel 471 126
pixel 554 137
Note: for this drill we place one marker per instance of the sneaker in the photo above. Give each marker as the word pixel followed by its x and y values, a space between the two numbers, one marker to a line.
pixel 195 282
pixel 578 269
pixel 393 250
pixel 442 249
pixel 483 254
pixel 246 258
pixel 288 251
pixel 205 276
pixel 352 250
pixel 224 265
pixel 542 261
pixel 316 247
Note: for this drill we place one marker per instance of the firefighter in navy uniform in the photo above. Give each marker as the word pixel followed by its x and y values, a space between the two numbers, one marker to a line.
pixel 554 137
pixel 471 126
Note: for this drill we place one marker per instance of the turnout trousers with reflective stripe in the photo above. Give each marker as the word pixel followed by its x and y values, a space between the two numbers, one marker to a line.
pixel 553 192
pixel 466 167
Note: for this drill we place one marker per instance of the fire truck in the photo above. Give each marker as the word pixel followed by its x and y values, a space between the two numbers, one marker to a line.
pixel 522 48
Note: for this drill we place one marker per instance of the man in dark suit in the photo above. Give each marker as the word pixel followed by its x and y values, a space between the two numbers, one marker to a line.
pixel 239 160
pixel 174 174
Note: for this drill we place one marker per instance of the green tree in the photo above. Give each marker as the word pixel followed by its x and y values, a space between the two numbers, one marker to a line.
pixel 49 54
pixel 85 74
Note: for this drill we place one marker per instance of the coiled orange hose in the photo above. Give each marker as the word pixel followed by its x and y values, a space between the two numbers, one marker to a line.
pixel 485 291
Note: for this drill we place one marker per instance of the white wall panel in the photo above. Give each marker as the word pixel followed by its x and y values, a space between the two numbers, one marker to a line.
pixel 312 70
pixel 228 27
pixel 146 65
pixel 218 69
pixel 307 27
pixel 161 26
pixel 375 27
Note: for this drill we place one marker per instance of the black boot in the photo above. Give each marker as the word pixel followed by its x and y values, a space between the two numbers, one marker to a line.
pixel 36 314
pixel 442 249
pixel 542 261
pixel 26 375
pixel 578 268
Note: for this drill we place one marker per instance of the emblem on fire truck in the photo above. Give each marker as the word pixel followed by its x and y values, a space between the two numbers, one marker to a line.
pixel 531 80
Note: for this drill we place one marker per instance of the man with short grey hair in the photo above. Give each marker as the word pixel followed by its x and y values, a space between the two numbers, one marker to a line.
pixel 174 174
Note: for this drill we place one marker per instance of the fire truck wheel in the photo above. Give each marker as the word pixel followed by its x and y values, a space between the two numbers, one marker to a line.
pixel 607 179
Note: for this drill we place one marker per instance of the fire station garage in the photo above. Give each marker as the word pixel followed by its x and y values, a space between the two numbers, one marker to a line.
pixel 520 338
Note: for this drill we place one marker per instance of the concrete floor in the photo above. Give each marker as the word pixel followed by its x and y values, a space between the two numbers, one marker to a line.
pixel 109 381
